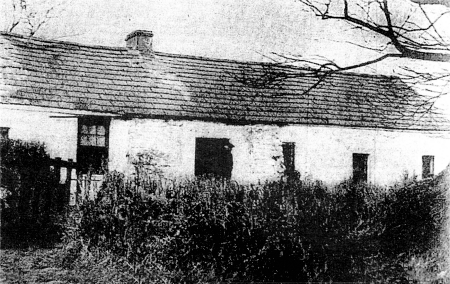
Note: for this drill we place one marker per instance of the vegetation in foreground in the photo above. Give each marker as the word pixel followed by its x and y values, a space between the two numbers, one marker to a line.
pixel 205 230
pixel 139 230
pixel 31 199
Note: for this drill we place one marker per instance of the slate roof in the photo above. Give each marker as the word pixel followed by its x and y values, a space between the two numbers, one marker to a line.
pixel 72 76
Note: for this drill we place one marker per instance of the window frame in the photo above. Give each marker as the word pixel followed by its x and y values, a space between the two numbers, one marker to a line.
pixel 81 149
pixel 429 159
pixel 288 150
pixel 4 133
pixel 355 174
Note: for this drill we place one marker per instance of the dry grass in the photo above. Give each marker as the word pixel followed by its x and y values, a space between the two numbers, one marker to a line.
pixel 48 266
pixel 31 266
pixel 434 266
pixel 45 266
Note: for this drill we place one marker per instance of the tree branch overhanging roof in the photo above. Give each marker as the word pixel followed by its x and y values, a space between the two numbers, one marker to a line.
pixel 65 75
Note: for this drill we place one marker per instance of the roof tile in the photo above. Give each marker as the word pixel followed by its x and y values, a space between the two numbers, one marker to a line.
pixel 115 80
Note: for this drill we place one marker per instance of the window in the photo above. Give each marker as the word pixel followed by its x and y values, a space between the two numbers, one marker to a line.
pixel 360 167
pixel 289 157
pixel 213 157
pixel 4 133
pixel 92 152
pixel 427 166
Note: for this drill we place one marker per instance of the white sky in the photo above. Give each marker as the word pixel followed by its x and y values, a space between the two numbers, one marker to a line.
pixel 236 29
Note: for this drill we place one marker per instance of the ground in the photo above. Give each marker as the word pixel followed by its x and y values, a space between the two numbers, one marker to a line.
pixel 31 266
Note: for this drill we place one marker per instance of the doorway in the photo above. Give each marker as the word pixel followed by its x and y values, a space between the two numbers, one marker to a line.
pixel 213 157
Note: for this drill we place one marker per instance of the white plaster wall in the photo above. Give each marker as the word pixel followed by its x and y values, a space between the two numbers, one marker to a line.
pixel 323 153
pixel 58 134
pixel 254 154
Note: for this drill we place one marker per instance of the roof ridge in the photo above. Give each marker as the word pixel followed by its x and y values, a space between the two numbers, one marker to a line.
pixel 62 42
pixel 206 58
pixel 281 64
pixel 192 57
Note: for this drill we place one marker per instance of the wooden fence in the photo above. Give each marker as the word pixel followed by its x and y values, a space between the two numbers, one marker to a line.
pixel 76 186
pixel 66 174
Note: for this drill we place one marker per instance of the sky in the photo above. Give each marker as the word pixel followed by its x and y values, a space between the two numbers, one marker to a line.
pixel 231 29
pixel 244 30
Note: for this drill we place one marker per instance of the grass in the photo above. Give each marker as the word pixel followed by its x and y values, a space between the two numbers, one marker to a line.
pixel 76 261
pixel 31 266
pixel 35 265
pixel 46 266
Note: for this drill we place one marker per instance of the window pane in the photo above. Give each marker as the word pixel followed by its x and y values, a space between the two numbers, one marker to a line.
pixel 101 130
pixel 92 129
pixel 88 140
pixel 101 141
pixel 84 129
pixel 84 140
pixel 91 139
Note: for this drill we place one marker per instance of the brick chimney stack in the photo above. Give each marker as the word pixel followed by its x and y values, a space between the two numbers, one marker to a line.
pixel 140 40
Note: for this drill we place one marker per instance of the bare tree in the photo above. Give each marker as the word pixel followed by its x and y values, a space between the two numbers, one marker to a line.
pixel 412 28
pixel 29 17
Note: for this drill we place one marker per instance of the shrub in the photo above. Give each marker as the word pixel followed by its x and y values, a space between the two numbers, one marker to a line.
pixel 415 212
pixel 214 230
pixel 31 201
pixel 126 221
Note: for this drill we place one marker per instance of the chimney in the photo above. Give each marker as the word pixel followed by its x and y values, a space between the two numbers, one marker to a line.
pixel 140 40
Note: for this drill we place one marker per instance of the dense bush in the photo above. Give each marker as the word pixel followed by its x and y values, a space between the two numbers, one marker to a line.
pixel 415 215
pixel 204 230
pixel 31 201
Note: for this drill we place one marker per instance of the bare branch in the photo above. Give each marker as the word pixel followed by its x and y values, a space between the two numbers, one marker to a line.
pixel 431 48
pixel 30 19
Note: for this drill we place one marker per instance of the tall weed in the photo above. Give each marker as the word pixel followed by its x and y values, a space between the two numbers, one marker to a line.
pixel 289 230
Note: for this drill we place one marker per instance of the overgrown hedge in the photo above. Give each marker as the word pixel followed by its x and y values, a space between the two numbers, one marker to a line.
pixel 204 230
pixel 31 202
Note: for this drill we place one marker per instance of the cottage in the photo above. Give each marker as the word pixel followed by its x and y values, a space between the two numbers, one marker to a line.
pixel 186 115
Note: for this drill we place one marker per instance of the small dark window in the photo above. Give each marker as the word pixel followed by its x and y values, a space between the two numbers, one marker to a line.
pixel 427 166
pixel 360 167
pixel 4 133
pixel 213 157
pixel 92 152
pixel 289 157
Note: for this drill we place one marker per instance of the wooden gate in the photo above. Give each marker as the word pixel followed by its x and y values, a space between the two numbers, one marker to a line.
pixel 76 187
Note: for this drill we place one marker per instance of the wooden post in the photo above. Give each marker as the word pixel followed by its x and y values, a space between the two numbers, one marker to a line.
pixel 68 184
pixel 58 168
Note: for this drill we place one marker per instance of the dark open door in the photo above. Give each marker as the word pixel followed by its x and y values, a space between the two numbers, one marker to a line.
pixel 213 157
pixel 360 167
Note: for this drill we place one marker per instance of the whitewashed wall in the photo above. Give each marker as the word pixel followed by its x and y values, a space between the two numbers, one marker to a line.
pixel 59 134
pixel 174 141
pixel 323 153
